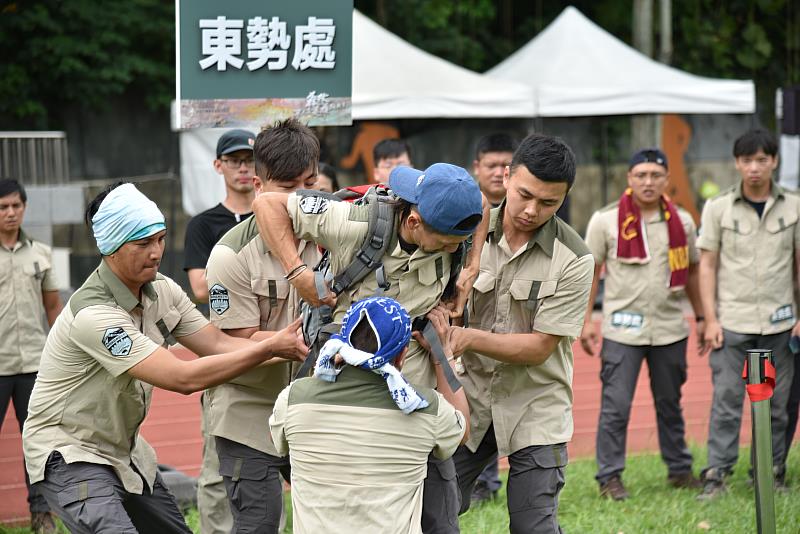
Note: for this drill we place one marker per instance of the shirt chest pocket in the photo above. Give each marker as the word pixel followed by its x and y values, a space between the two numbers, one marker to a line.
pixel 272 294
pixel 432 272
pixel 782 227
pixel 734 234
pixel 165 326
pixel 482 301
pixel 527 298
pixel 428 286
pixel 35 271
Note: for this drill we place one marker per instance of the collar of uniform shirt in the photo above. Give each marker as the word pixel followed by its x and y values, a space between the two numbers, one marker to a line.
pixel 544 236
pixel 121 293
pixel 775 191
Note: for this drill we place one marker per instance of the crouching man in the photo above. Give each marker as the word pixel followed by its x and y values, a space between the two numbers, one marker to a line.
pixel 359 435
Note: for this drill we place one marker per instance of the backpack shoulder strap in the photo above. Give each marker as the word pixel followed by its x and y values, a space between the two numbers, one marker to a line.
pixel 379 235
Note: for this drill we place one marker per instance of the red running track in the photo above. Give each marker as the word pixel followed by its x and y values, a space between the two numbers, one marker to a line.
pixel 173 425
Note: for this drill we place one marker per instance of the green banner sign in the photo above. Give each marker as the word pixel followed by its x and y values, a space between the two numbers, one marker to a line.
pixel 251 62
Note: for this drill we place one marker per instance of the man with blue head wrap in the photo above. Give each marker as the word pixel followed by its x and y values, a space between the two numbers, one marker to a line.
pixel 359 435
pixel 102 358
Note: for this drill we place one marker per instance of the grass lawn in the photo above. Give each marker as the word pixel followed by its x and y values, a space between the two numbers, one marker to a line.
pixel 653 506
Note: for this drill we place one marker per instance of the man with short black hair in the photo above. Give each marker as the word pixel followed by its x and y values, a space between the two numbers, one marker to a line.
pixel 526 308
pixel 386 155
pixel 647 244
pixel 251 298
pixel 492 155
pixel 28 291
pixel 749 242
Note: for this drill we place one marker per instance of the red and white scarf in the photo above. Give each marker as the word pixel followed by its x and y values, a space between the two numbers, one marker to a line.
pixel 632 244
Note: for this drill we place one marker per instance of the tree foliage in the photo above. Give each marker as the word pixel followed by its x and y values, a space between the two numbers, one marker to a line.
pixel 59 52
pixel 62 52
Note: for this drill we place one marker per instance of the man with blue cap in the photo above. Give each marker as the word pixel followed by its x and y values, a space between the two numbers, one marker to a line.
pixel 102 358
pixel 434 211
pixel 359 434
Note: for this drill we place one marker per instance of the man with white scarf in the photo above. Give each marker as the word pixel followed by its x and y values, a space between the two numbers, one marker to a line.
pixel 102 358
pixel 359 434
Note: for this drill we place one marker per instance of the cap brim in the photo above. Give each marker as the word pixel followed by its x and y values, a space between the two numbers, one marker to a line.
pixel 236 149
pixel 403 182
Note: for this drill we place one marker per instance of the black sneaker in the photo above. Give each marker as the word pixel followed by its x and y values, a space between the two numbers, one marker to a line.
pixel 614 489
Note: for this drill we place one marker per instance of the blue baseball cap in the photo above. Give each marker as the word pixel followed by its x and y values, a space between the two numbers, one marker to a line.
pixel 444 194
pixel 648 155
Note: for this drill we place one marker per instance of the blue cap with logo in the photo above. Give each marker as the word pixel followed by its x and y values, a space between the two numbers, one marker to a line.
pixel 649 155
pixel 445 195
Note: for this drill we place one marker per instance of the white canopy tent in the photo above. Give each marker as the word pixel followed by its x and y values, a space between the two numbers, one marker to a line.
pixel 393 79
pixel 576 69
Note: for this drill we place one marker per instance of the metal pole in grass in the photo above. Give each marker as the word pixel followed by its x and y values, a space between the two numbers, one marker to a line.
pixel 760 376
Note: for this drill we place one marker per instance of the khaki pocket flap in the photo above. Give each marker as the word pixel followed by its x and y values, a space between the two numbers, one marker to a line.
pixel 271 287
pixel 532 289
pixel 485 282
pixel 776 224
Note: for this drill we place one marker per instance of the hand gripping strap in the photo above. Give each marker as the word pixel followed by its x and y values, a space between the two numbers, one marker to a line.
pixel 430 335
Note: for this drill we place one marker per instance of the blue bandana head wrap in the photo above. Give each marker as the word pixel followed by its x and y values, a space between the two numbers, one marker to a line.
pixel 392 327
pixel 125 215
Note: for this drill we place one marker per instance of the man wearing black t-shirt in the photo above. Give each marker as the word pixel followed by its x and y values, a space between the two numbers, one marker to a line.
pixel 236 165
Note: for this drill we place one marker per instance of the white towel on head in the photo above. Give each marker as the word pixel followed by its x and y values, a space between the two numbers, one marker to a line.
pixel 125 215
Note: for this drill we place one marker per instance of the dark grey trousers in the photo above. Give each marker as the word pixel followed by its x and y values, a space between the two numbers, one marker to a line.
pixel 727 364
pixel 252 480
pixel 490 477
pixel 619 374
pixel 535 480
pixel 440 498
pixel 18 388
pixel 792 406
pixel 90 499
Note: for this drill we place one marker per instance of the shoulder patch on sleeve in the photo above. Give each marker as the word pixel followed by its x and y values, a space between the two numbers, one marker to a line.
pixel 117 341
pixel 313 204
pixel 218 299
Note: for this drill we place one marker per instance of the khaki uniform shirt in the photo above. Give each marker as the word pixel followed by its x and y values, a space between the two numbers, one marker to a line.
pixel 25 272
pixel 543 287
pixel 247 288
pixel 416 280
pixel 756 259
pixel 358 462
pixel 84 405
pixel 639 308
